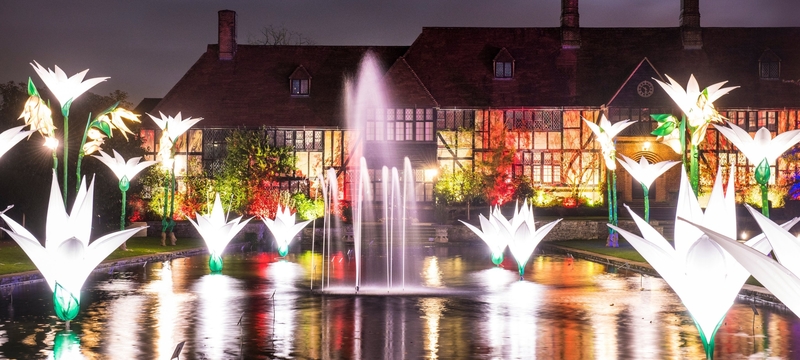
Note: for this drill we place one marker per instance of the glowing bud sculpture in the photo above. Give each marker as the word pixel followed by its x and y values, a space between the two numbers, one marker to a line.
pixel 217 232
pixel 521 232
pixel 645 173
pixel 67 258
pixel 782 276
pixel 705 277
pixel 490 234
pixel 283 228
pixel 762 150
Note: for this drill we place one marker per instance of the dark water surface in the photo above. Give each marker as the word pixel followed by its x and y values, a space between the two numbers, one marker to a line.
pixel 456 305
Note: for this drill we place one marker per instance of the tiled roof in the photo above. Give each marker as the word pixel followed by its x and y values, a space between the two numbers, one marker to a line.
pixel 253 89
pixel 455 64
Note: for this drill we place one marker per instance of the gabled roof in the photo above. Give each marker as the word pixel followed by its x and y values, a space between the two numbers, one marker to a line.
pixel 608 55
pixel 404 88
pixel 454 64
pixel 629 93
pixel 253 89
pixel 504 56
pixel 300 73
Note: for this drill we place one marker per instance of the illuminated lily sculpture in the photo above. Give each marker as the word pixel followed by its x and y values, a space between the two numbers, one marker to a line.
pixel 172 128
pixel 604 133
pixel 125 171
pixel 645 173
pixel 67 258
pixel 490 234
pixel 699 112
pixel 283 228
pixel 703 275
pixel 781 277
pixel 217 233
pixel 12 137
pixel 521 232
pixel 66 90
pixel 762 150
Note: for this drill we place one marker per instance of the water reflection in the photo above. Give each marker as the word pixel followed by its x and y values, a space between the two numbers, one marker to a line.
pixel 564 308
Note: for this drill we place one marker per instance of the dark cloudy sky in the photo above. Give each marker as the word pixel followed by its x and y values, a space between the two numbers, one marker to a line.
pixel 145 46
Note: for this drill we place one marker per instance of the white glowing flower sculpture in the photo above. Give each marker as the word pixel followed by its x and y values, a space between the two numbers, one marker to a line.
pixel 490 234
pixel 217 233
pixel 762 150
pixel 67 258
pixel 605 133
pixel 521 232
pixel 284 229
pixel 705 277
pixel 172 128
pixel 66 89
pixel 697 105
pixel 645 173
pixel 781 277
pixel 11 137
pixel 124 170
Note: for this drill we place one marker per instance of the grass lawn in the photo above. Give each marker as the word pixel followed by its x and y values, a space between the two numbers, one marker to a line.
pixel 624 251
pixel 14 260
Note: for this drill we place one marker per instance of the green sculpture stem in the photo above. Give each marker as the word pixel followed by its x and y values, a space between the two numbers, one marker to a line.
pixel 610 207
pixel 762 178
pixel 283 250
pixel 172 198
pixel 614 237
pixel 65 303
pixel 81 154
pixel 215 263
pixel 521 268
pixel 694 172
pixel 66 151
pixel 55 160
pixel 164 222
pixel 497 258
pixel 124 185
pixel 708 341
pixel 646 203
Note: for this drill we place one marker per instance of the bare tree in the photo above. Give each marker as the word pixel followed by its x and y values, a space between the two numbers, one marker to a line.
pixel 279 35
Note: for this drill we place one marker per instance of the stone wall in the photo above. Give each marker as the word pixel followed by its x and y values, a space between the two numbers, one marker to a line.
pixel 565 230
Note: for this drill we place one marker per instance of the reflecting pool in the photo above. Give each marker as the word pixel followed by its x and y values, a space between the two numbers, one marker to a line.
pixel 461 306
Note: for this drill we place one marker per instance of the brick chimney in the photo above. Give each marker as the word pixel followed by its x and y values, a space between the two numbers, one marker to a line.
pixel 227 34
pixel 691 34
pixel 570 25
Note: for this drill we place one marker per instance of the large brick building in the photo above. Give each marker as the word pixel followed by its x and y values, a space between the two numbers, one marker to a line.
pixel 455 93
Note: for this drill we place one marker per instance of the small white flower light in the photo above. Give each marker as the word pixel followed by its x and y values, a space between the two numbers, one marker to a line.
pixel 284 229
pixel 217 233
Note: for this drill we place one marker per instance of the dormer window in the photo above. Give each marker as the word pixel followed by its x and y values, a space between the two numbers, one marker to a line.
pixel 769 66
pixel 299 86
pixel 503 65
pixel 300 82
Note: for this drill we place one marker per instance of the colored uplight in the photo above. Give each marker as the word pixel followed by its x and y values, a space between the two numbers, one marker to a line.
pixel 283 228
pixel 68 258
pixel 705 277
pixel 217 233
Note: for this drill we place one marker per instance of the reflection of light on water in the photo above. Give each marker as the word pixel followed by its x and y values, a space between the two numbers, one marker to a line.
pixel 512 317
pixel 432 311
pixel 218 314
pixel 123 333
pixel 166 311
pixel 432 276
pixel 66 346
pixel 284 275
pixel 496 278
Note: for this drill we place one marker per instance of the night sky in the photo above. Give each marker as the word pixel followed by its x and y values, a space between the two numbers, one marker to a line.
pixel 145 46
